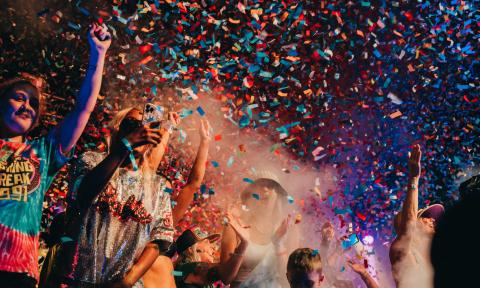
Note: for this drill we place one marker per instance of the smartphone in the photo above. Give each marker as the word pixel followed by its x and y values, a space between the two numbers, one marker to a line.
pixel 153 113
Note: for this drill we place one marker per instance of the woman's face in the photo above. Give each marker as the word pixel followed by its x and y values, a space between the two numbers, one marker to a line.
pixel 262 200
pixel 206 251
pixel 131 122
pixel 18 110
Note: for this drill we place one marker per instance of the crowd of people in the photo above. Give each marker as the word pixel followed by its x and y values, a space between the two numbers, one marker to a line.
pixel 120 225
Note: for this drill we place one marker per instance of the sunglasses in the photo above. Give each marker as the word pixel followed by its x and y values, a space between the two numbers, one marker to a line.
pixel 130 124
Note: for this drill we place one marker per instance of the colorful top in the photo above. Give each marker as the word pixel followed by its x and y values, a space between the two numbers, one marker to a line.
pixel 133 210
pixel 26 172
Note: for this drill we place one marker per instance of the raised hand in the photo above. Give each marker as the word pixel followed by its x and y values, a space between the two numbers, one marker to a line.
pixel 240 229
pixel 174 118
pixel 357 267
pixel 143 135
pixel 414 166
pixel 205 130
pixel 99 38
pixel 281 230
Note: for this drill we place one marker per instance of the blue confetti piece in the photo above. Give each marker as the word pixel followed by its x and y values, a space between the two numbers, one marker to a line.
pixel 168 190
pixel 256 196
pixel 248 180
pixel 214 164
pixel 200 111
pixel 352 240
pixel 244 121
pixel 73 25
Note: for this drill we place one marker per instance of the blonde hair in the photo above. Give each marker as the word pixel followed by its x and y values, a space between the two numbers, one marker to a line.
pixel 114 128
pixel 189 255
pixel 304 261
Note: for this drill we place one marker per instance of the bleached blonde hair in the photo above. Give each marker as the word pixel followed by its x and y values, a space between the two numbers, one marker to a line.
pixel 114 127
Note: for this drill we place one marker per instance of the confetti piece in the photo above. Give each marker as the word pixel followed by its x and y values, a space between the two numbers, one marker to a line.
pixel 200 111
pixel 290 199
pixel 395 114
pixel 298 218
pixel 177 273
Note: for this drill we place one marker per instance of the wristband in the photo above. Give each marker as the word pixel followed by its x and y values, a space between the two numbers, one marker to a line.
pixel 170 128
pixel 131 156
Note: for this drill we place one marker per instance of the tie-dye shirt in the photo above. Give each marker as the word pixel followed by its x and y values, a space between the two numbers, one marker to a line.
pixel 26 172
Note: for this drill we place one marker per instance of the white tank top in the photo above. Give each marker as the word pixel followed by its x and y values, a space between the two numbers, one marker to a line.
pixel 253 256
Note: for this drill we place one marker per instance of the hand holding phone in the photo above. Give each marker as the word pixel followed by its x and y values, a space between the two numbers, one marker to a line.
pixel 153 114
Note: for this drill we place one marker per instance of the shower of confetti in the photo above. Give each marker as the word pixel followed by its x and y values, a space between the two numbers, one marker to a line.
pixel 345 84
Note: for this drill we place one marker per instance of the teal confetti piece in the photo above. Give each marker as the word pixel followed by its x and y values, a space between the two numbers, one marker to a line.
pixel 177 273
pixel 230 161
pixel 290 199
pixel 66 239
pixel 248 180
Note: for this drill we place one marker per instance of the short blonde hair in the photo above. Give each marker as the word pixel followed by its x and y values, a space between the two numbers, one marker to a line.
pixel 303 261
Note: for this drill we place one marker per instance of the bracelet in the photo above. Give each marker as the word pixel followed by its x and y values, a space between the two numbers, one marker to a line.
pixel 237 254
pixel 171 128
pixel 131 156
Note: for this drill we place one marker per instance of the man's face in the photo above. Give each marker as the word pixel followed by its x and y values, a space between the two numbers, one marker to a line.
pixel 427 225
pixel 206 251
pixel 313 279
pixel 264 204
pixel 328 233
pixel 18 110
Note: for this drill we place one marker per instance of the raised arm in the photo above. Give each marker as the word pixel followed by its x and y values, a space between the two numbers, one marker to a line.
pixel 156 155
pixel 141 266
pixel 362 271
pixel 228 268
pixel 96 179
pixel 185 197
pixel 207 273
pixel 410 206
pixel 72 126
